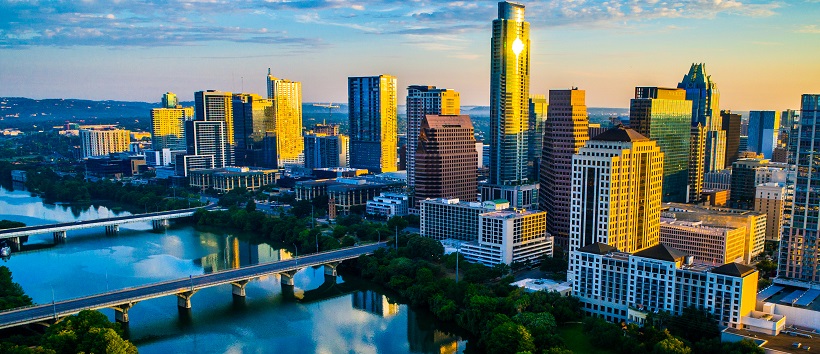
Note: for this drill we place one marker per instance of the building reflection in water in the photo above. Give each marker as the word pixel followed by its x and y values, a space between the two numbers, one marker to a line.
pixel 423 336
pixel 375 303
pixel 235 253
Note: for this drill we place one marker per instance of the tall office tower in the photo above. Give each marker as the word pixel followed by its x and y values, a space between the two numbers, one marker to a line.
pixel 799 248
pixel 787 119
pixel 565 132
pixel 665 116
pixel 705 97
pixel 538 116
pixel 744 174
pixel 207 138
pixel 168 127
pixel 324 151
pixel 287 126
pixel 217 106
pixel 763 129
pixel 373 126
pixel 446 159
pixel 617 183
pixel 509 96
pixel 169 100
pixel 743 144
pixel 731 124
pixel 421 101
pixel 103 141
pixel 769 199
pixel 697 155
pixel 253 118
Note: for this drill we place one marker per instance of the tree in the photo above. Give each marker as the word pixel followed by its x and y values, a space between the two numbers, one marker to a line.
pixel 694 324
pixel 425 248
pixel 89 332
pixel 11 293
pixel 250 206
pixel 671 346
pixel 397 223
pixel 301 209
pixel 509 337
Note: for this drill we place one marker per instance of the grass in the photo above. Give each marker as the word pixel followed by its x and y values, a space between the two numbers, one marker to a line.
pixel 577 341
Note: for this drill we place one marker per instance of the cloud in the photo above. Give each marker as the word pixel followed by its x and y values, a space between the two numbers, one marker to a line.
pixel 812 29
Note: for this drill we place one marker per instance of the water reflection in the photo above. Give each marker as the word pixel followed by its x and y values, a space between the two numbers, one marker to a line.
pixel 374 303
pixel 424 337
pixel 234 252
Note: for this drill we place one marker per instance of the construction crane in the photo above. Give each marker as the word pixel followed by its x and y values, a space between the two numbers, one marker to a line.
pixel 330 106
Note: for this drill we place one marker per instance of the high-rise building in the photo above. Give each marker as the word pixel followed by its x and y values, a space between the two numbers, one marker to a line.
pixel 103 141
pixel 743 144
pixel 705 97
pixel 253 118
pixel 697 156
pixel 446 159
pixel 207 138
pixel 565 132
pixel 169 100
pixel 372 106
pixel 287 115
pixel 421 101
pixel 168 127
pixel 217 106
pixel 731 124
pixel 763 129
pixel 538 116
pixel 769 199
pixel 753 222
pixel 509 96
pixel 744 173
pixel 324 151
pixel 799 248
pixel 617 181
pixel 665 116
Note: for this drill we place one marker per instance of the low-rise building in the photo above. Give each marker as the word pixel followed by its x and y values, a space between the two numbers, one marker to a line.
pixel 509 236
pixel 715 197
pixel 707 244
pixel 224 180
pixel 343 193
pixel 620 286
pixel 389 205
pixel 443 218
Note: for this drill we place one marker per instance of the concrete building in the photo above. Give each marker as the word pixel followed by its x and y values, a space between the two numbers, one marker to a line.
pixel 799 250
pixel 769 200
pixel 731 124
pixel 422 101
pixel 389 205
pixel 216 106
pixel 207 138
pixel 716 197
pixel 343 193
pixel 372 105
pixel 446 159
pixel 697 156
pixel 665 115
pixel 168 127
pixel 707 244
pixel 443 218
pixel 744 173
pixel 763 129
pixel 103 141
pixel 626 287
pixel 186 163
pixel 286 96
pixel 509 236
pixel 565 132
pixel 164 157
pixel 223 180
pixel 754 223
pixel 718 180
pixel 326 151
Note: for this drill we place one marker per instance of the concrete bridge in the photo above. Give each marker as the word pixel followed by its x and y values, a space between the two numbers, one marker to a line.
pixel 183 289
pixel 19 235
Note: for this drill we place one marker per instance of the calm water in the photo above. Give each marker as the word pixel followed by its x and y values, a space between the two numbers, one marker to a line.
pixel 323 315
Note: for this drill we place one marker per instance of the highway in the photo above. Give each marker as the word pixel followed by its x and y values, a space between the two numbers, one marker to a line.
pixel 60 309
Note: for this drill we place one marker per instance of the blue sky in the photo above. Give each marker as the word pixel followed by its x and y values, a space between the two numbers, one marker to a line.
pixel 762 54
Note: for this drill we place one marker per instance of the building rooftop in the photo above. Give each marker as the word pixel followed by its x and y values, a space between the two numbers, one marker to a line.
pixel 620 133
pixel 507 214
pixel 662 252
pixel 434 121
pixel 598 248
pixel 733 269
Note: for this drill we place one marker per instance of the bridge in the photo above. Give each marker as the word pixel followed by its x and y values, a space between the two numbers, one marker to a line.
pixel 18 235
pixel 183 289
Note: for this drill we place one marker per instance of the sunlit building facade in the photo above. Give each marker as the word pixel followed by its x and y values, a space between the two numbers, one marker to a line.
pixel 168 127
pixel 372 108
pixel 207 138
pixel 286 129
pixel 421 101
pixel 103 141
pixel 538 117
pixel 253 119
pixel 705 97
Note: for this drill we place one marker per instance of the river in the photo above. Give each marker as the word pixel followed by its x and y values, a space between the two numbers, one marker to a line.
pixel 322 316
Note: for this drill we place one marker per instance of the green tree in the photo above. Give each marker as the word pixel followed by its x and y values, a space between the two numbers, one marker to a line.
pixel 250 206
pixel 694 324
pixel 397 223
pixel 671 346
pixel 425 248
pixel 11 293
pixel 509 338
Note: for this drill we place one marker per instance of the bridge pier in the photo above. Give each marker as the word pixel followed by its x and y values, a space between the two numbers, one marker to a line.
pixel 16 243
pixel 160 225
pixel 287 277
pixel 239 287
pixel 184 299
pixel 121 312
pixel 330 268
pixel 112 230
pixel 59 237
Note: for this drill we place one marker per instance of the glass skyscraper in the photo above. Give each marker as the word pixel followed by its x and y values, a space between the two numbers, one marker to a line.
pixel 705 97
pixel 763 129
pixel 287 127
pixel 665 115
pixel 372 107
pixel 799 249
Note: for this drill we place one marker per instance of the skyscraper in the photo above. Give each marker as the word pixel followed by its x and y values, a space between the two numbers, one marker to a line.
pixel 169 100
pixel 446 159
pixel 207 138
pixel 799 249
pixel 565 132
pixel 103 141
pixel 217 106
pixel 665 115
pixel 763 129
pixel 538 116
pixel 617 180
pixel 697 155
pixel 287 115
pixel 168 127
pixel 372 107
pixel 705 97
pixel 509 96
pixel 731 124
pixel 325 147
pixel 421 101
pixel 253 119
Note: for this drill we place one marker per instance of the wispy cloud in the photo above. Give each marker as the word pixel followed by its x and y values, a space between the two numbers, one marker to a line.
pixel 813 29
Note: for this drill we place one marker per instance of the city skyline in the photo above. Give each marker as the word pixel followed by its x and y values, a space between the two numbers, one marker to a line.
pixel 597 46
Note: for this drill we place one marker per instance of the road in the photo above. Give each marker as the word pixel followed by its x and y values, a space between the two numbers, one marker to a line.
pixel 129 295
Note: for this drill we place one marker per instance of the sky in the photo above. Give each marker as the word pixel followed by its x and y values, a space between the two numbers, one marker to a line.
pixel 762 54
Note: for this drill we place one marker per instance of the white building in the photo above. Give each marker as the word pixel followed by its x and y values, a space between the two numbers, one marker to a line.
pixel 443 218
pixel 389 205
pixel 509 236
